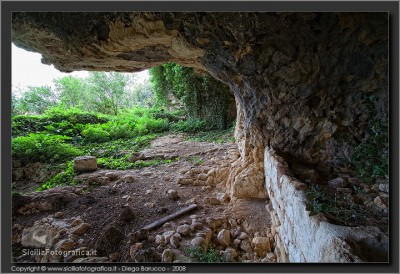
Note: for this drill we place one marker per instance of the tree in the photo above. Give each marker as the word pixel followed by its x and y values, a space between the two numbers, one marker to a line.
pixel 36 100
pixel 72 91
pixel 106 91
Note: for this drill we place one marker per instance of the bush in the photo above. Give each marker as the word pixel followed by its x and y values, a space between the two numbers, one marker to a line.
pixel 43 148
pixel 190 126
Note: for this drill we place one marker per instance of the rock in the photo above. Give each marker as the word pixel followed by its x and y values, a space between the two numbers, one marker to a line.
pixel 183 229
pixel 134 249
pixel 114 257
pixel 149 191
pixel 236 243
pixel 246 246
pixel 81 229
pixel 101 180
pixel 159 239
pixel 305 173
pixel 261 245
pixel 39 235
pixel 136 157
pixel 212 201
pixel 173 194
pixel 92 260
pixel 222 197
pixel 224 237
pixel 167 256
pixel 210 181
pixel 337 182
pixel 85 164
pixel 380 202
pixel 198 242
pixel 202 177
pixel 112 176
pixel 127 179
pixel 76 222
pixel 344 190
pixel 174 241
pixel 66 244
pixel 58 215
pixel 271 256
pixel 384 187
pixel 243 236
pixel 168 234
pixel 230 254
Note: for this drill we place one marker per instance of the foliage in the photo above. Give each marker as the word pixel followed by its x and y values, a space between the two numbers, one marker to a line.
pixel 213 136
pixel 61 179
pixel 56 121
pixel 321 200
pixel 209 256
pixel 43 148
pixel 195 160
pixel 123 164
pixel 35 100
pixel 203 97
pixel 370 157
pixel 190 126
pixel 72 91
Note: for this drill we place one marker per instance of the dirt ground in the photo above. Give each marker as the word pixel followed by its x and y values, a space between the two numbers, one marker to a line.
pixel 118 207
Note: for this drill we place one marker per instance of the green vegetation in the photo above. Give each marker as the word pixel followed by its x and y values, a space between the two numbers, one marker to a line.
pixel 43 148
pixel 110 116
pixel 195 160
pixel 61 179
pixel 371 156
pixel 203 97
pixel 209 256
pixel 213 136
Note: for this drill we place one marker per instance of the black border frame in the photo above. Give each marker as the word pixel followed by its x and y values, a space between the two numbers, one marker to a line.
pixel 7 7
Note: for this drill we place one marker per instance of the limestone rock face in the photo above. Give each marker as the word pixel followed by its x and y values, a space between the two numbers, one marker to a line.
pixel 303 82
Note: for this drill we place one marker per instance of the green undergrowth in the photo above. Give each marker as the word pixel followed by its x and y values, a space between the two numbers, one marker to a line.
pixel 58 136
pixel 123 164
pixel 214 136
pixel 63 178
pixel 323 200
pixel 209 256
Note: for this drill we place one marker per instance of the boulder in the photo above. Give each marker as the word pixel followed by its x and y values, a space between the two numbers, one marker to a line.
pixel 85 164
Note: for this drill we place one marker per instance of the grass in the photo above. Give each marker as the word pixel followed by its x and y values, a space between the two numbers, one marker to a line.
pixel 209 256
pixel 213 136
pixel 195 160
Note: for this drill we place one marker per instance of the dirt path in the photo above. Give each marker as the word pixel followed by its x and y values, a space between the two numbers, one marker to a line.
pixel 105 215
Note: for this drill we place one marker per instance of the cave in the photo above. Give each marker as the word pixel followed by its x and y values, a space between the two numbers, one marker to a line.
pixel 304 85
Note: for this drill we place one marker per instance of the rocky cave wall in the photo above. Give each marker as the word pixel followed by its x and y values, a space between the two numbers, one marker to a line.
pixel 300 79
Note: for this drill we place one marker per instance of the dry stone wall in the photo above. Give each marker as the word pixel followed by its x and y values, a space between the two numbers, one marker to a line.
pixel 302 238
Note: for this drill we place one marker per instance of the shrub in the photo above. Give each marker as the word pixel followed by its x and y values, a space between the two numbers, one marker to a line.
pixel 43 148
pixel 190 126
